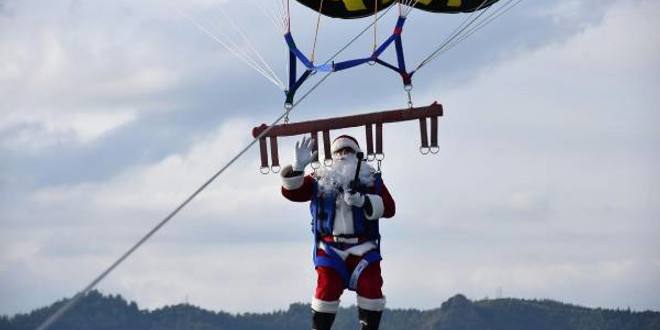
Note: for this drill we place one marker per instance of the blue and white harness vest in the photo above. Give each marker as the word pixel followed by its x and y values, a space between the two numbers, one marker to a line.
pixel 323 210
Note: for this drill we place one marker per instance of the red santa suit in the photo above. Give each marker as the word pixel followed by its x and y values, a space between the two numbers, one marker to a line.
pixel 343 240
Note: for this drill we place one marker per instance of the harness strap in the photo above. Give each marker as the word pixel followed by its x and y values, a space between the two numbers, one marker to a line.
pixel 333 261
pixel 371 256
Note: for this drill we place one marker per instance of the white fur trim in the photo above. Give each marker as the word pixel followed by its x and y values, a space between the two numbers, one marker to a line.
pixel 344 142
pixel 291 182
pixel 377 207
pixel 376 305
pixel 323 306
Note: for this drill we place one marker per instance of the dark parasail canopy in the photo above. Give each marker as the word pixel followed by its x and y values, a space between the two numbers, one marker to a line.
pixel 362 8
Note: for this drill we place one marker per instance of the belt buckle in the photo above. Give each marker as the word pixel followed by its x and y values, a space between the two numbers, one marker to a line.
pixel 346 240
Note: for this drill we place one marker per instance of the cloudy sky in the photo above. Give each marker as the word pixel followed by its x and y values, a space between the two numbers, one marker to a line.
pixel 113 112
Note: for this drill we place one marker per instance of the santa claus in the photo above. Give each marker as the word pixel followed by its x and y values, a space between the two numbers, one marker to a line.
pixel 347 200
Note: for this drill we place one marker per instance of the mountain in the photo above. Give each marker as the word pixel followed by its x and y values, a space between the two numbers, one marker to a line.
pixel 112 312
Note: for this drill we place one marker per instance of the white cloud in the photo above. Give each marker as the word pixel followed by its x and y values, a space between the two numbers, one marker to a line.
pixel 544 186
pixel 70 83
pixel 164 184
pixel 31 133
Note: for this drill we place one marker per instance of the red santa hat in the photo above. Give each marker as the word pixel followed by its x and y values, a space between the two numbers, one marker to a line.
pixel 345 141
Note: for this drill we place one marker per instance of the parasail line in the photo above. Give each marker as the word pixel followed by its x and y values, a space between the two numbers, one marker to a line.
pixel 464 32
pixel 455 33
pixel 71 303
pixel 501 11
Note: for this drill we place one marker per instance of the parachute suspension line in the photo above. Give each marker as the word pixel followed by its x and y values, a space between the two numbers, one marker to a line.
pixel 288 15
pixel 500 11
pixel 409 4
pixel 275 19
pixel 375 26
pixel 250 46
pixel 462 32
pixel 455 33
pixel 494 15
pixel 71 303
pixel 281 13
pixel 230 45
pixel 316 32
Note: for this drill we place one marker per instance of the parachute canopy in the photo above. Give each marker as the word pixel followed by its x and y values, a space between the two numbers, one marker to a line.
pixel 362 8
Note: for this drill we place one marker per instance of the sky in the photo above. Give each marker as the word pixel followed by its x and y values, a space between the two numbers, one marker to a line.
pixel 113 112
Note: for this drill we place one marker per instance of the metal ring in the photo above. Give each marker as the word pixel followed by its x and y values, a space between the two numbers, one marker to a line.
pixel 327 162
pixel 424 150
pixel 371 157
pixel 434 150
pixel 371 62
pixel 379 156
pixel 264 169
pixel 315 164
pixel 275 169
pixel 407 87
pixel 288 105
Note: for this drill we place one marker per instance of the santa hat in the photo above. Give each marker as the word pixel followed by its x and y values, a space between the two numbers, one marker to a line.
pixel 345 141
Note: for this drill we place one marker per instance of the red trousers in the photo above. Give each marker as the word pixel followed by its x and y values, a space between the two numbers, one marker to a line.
pixel 329 285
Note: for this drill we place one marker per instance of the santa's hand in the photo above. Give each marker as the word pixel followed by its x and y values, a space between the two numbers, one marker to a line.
pixel 303 154
pixel 354 198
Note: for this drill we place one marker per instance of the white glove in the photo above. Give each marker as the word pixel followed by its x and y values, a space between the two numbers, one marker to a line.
pixel 303 154
pixel 355 199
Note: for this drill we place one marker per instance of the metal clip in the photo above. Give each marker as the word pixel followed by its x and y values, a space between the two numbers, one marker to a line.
pixel 408 89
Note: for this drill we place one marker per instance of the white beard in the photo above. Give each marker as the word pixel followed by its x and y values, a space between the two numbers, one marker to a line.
pixel 342 172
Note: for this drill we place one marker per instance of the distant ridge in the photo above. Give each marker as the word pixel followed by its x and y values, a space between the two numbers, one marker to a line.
pixel 110 312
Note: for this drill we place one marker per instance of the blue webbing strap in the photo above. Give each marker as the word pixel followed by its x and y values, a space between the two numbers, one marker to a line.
pixel 351 63
pixel 302 58
pixel 399 54
pixel 293 64
pixel 295 53
pixel 379 183
pixel 367 259
pixel 387 65
pixel 292 90
pixel 384 45
pixel 395 35
pixel 333 261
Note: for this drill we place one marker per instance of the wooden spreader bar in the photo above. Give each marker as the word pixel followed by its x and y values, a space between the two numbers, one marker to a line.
pixel 369 120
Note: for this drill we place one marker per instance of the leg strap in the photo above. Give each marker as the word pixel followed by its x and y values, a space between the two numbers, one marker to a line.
pixel 334 261
pixel 371 256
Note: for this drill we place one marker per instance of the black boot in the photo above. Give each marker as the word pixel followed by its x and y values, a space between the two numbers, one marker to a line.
pixel 369 320
pixel 322 321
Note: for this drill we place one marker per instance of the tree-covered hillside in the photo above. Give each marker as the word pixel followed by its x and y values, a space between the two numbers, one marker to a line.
pixel 100 312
